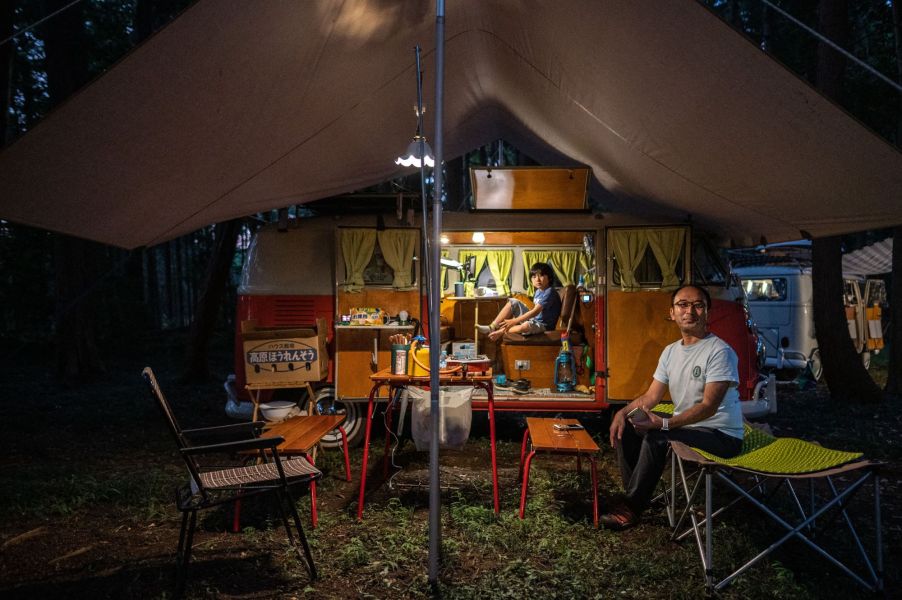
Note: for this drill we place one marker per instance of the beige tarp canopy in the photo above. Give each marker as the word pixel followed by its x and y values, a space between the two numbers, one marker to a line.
pixel 238 106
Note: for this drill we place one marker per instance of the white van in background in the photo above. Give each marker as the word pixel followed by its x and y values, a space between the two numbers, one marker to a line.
pixel 780 302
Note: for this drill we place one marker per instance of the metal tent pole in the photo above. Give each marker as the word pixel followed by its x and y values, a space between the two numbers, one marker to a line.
pixel 435 532
pixel 424 263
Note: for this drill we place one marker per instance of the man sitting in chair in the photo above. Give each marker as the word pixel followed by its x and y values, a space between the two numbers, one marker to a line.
pixel 701 372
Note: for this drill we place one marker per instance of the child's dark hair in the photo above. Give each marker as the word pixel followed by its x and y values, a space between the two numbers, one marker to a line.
pixel 541 268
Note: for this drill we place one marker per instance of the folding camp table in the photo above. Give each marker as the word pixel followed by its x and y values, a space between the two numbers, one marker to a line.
pixel 395 382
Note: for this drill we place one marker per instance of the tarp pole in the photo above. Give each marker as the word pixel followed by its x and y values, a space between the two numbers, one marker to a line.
pixel 424 207
pixel 435 335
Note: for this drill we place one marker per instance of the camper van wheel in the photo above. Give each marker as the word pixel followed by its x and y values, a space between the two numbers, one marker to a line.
pixel 326 404
pixel 866 360
pixel 815 364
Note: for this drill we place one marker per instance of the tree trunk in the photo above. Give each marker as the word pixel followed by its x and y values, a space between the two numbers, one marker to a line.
pixel 833 22
pixel 894 376
pixel 844 372
pixel 210 302
pixel 78 358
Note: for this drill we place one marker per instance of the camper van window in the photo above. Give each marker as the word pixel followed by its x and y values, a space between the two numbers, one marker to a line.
pixel 377 271
pixel 648 273
pixel 771 289
pixel 485 279
pixel 707 266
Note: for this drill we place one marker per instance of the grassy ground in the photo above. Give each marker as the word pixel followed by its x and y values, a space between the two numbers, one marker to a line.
pixel 86 483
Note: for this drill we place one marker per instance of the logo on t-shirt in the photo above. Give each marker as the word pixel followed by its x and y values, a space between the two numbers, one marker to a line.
pixel 697 372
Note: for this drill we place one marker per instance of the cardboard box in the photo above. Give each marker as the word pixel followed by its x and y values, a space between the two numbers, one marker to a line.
pixel 282 357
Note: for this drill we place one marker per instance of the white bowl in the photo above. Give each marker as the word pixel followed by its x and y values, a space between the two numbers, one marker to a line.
pixel 276 410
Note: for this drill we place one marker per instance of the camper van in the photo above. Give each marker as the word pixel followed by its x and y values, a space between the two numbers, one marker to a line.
pixel 363 274
pixel 780 301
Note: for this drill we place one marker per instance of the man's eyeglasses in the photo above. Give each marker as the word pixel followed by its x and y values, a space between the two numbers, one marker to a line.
pixel 696 306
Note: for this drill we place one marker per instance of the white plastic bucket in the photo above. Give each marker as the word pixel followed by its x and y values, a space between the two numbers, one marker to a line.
pixel 456 417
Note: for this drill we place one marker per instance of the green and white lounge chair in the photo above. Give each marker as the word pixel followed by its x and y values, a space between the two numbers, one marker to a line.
pixel 765 465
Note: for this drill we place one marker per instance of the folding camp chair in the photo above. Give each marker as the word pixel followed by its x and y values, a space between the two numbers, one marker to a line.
pixel 764 466
pixel 208 487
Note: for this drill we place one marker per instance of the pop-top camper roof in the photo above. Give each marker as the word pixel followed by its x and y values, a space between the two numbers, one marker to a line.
pixel 238 107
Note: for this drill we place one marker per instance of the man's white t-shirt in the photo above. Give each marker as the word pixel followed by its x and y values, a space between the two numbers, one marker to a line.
pixel 686 369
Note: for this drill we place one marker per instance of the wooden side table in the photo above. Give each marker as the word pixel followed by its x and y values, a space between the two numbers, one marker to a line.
pixel 301 435
pixel 544 438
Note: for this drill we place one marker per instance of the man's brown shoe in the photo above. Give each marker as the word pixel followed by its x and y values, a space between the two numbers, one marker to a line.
pixel 620 518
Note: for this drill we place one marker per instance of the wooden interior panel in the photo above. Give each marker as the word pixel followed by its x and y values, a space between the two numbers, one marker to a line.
pixel 353 365
pixel 541 364
pixel 639 327
pixel 530 188
pixel 354 345
pixel 389 300
pixel 461 316
pixel 518 238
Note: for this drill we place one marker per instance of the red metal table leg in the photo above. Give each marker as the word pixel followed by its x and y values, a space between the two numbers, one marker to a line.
pixel 525 482
pixel 495 492
pixel 344 447
pixel 388 425
pixel 366 450
pixel 522 453
pixel 313 515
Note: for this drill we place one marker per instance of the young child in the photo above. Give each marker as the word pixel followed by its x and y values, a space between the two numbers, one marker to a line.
pixel 515 317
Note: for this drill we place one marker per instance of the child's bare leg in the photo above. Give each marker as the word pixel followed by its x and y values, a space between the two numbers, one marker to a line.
pixel 505 313
pixel 499 333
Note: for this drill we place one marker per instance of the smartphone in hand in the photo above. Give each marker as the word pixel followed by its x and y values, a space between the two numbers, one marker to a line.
pixel 637 414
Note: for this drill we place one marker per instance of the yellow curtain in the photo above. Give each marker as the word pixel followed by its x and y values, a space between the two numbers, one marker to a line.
pixel 531 257
pixel 357 249
pixel 667 246
pixel 564 264
pixel 629 248
pixel 500 263
pixel 463 255
pixel 444 270
pixel 398 247
pixel 588 278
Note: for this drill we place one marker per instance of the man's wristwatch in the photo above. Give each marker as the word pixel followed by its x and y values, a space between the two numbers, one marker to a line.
pixel 665 424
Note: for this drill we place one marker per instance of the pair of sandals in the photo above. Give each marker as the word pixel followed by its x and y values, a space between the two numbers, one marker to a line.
pixel 517 386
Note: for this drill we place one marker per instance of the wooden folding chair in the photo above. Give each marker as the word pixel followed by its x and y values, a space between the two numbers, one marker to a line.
pixel 208 487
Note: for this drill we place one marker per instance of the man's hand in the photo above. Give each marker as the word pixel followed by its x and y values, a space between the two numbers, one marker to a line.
pixel 651 397
pixel 648 422
pixel 616 429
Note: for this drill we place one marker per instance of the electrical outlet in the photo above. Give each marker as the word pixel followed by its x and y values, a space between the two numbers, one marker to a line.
pixel 521 365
